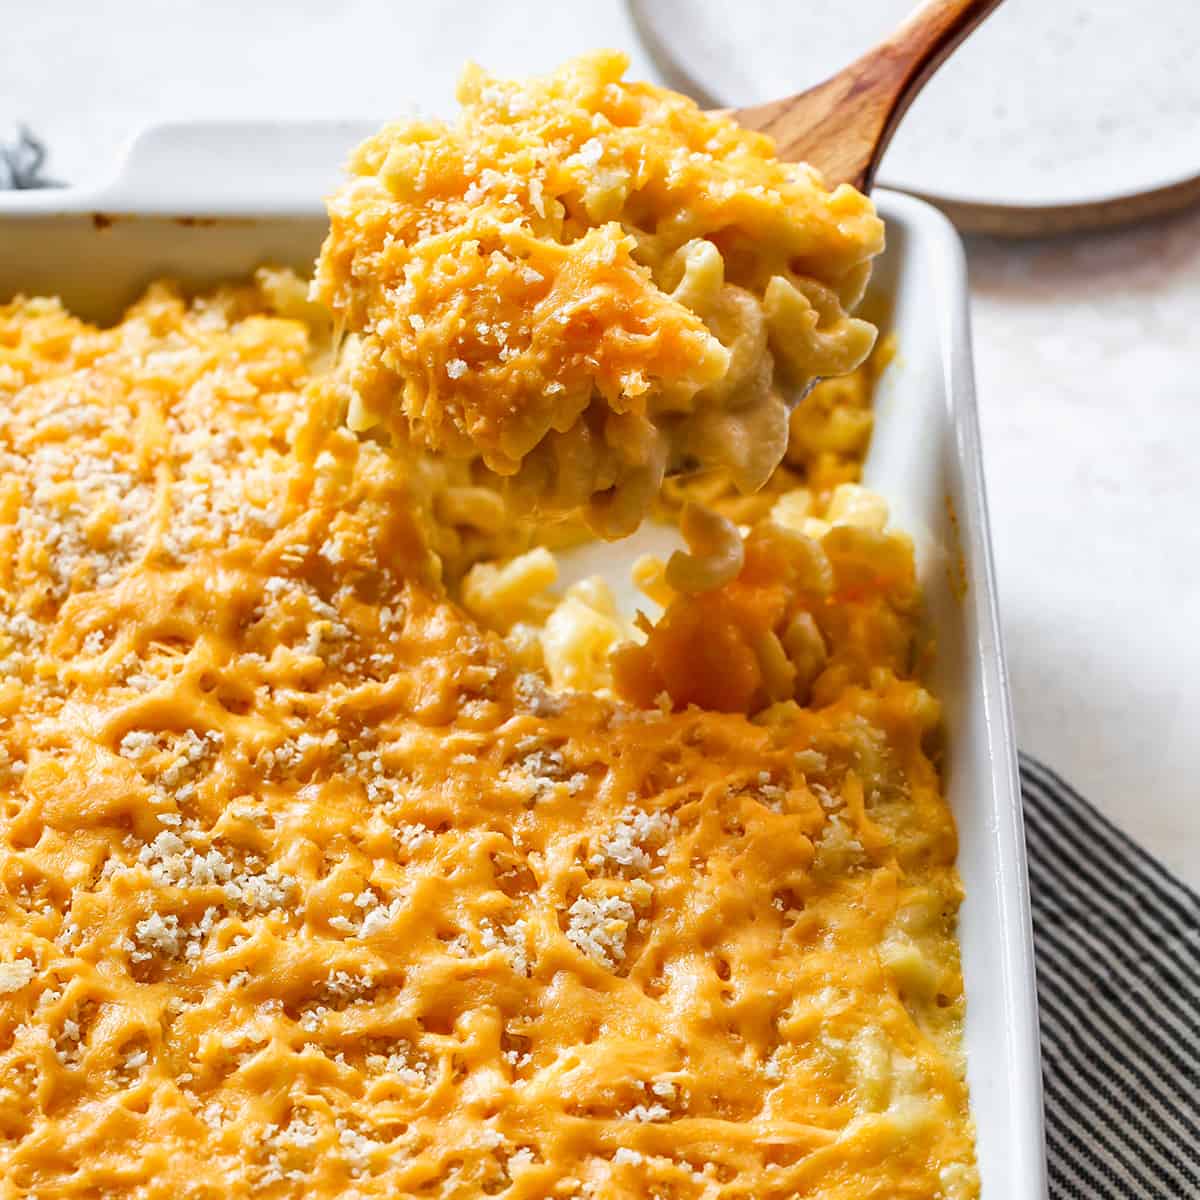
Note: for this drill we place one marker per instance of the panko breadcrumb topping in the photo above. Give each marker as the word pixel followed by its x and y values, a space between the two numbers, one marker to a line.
pixel 312 886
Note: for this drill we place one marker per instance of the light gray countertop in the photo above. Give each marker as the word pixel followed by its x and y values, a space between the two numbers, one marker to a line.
pixel 1088 362
pixel 1087 351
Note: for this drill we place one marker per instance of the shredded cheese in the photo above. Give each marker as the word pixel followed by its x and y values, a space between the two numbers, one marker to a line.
pixel 309 887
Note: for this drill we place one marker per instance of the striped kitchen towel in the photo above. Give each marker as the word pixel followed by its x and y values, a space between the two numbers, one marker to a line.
pixel 22 161
pixel 1118 963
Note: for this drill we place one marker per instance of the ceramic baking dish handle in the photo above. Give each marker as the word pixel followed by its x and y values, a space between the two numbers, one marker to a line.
pixel 219 168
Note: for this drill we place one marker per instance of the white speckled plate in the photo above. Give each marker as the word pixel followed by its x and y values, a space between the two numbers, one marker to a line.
pixel 1056 114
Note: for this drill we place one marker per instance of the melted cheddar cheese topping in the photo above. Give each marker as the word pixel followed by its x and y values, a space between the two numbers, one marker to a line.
pixel 586 281
pixel 308 888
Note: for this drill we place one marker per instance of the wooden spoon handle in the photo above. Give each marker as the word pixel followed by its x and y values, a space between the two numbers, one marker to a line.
pixel 843 126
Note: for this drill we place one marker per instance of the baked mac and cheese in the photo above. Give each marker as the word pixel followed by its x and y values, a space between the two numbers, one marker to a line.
pixel 346 852
pixel 587 281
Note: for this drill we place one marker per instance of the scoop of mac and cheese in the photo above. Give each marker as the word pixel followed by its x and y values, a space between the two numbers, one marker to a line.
pixel 586 282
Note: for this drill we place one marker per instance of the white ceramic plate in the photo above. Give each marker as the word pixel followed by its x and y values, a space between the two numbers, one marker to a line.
pixel 257 189
pixel 1075 109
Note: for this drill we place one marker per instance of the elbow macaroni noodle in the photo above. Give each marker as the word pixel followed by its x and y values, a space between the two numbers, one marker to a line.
pixel 344 853
pixel 714 556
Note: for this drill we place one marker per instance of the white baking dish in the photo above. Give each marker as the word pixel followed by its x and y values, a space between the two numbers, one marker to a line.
pixel 210 201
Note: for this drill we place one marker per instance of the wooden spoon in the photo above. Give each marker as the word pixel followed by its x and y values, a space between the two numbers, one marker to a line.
pixel 843 126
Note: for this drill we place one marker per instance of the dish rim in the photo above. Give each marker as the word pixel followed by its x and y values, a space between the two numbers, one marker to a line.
pixel 1018 968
